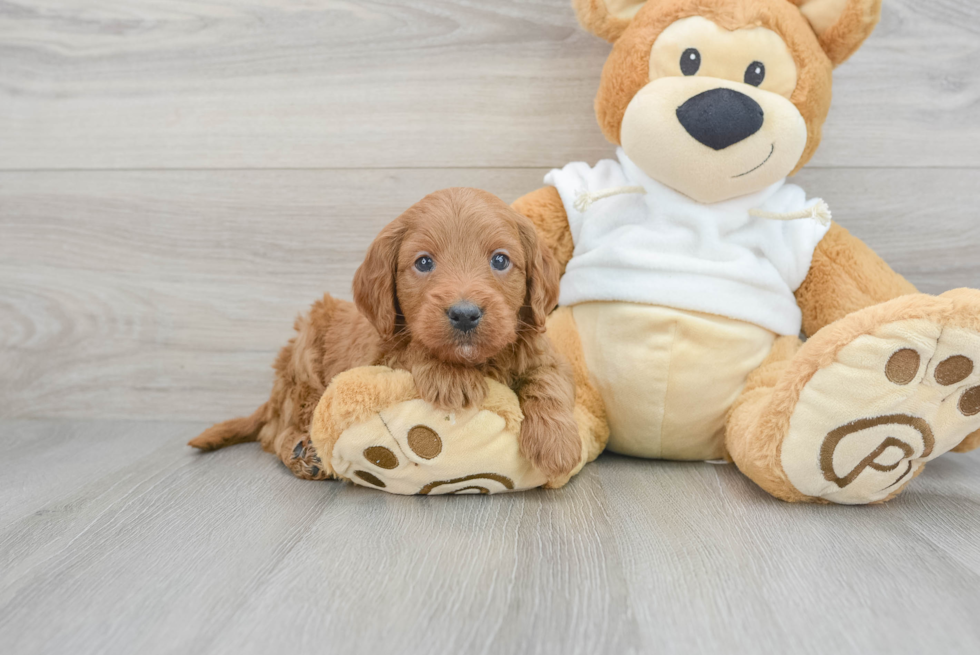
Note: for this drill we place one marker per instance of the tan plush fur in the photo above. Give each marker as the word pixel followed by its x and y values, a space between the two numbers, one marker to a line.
pixel 848 30
pixel 971 443
pixel 596 18
pixel 843 35
pixel 401 321
pixel 845 276
pixel 758 458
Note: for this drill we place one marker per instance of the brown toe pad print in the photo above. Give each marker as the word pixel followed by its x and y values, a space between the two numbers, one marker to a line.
pixel 954 369
pixel 424 442
pixel 370 478
pixel 381 457
pixel 970 402
pixel 835 437
pixel 903 366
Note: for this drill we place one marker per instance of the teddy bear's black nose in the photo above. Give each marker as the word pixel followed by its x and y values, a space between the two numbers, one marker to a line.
pixel 721 117
pixel 464 316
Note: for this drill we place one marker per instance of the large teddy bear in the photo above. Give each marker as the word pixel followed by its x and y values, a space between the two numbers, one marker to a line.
pixel 690 267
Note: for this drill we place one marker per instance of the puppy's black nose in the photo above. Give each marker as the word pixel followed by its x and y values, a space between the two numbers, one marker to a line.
pixel 721 117
pixel 464 316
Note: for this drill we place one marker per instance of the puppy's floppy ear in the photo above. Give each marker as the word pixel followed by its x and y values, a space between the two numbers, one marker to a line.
pixel 841 25
pixel 542 277
pixel 374 281
pixel 607 19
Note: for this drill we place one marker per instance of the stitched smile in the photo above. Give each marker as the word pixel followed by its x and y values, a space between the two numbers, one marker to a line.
pixel 772 150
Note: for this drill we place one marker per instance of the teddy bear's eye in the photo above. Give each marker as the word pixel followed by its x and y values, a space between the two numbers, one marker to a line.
pixel 690 61
pixel 755 73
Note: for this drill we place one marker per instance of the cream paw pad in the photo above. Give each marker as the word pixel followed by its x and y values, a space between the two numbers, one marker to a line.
pixel 371 428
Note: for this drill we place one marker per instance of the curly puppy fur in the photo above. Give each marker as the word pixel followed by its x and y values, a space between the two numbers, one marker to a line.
pixel 400 318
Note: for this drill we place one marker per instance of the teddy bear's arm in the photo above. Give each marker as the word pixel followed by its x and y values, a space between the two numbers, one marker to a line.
pixel 545 209
pixel 845 276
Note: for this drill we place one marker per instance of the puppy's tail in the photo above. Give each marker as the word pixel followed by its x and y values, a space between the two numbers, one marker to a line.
pixel 229 433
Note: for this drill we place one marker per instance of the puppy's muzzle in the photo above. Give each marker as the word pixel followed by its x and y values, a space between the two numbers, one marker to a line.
pixel 464 316
pixel 721 117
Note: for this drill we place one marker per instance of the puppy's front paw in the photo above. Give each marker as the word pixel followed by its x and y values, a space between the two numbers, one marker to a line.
pixel 549 439
pixel 451 389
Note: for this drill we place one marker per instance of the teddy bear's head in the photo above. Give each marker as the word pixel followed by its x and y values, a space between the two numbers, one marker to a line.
pixel 721 98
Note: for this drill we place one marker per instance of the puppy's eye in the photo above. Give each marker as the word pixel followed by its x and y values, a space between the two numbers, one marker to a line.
pixel 424 264
pixel 755 73
pixel 690 61
pixel 500 262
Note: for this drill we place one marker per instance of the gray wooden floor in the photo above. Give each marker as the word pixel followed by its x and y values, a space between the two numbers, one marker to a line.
pixel 179 178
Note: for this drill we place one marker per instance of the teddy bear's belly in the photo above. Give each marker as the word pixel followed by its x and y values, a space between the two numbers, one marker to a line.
pixel 667 376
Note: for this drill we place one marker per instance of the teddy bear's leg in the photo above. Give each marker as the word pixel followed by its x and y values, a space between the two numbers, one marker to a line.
pixel 854 414
pixel 590 411
pixel 969 444
pixel 758 458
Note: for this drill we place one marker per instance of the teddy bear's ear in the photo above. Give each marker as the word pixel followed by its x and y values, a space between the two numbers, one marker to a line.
pixel 841 25
pixel 607 19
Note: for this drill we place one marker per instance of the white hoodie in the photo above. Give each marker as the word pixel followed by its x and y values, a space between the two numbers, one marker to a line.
pixel 663 248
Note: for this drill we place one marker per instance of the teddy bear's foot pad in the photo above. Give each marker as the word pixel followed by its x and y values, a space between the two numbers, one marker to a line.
pixel 371 428
pixel 890 401
pixel 411 448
